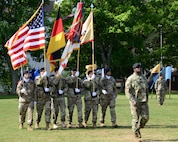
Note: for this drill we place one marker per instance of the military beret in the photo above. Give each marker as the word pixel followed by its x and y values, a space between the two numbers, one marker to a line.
pixel 90 71
pixel 136 65
pixel 26 72
pixel 42 69
pixel 74 69
pixel 107 70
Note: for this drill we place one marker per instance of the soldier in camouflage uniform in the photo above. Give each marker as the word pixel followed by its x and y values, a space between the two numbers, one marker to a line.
pixel 160 87
pixel 25 91
pixel 108 97
pixel 42 98
pixel 74 96
pixel 91 97
pixel 57 91
pixel 136 90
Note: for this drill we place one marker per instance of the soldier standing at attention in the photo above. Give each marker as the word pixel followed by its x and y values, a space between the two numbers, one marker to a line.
pixel 108 97
pixel 57 91
pixel 74 97
pixel 160 87
pixel 25 91
pixel 91 97
pixel 136 90
pixel 42 98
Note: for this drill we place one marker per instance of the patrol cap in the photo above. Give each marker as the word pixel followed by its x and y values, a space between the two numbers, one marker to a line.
pixel 136 65
pixel 107 70
pixel 42 69
pixel 26 72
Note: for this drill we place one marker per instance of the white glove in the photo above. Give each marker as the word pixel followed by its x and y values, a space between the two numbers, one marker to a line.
pixel 60 91
pixel 34 102
pixel 23 90
pixel 45 74
pixel 94 94
pixel 46 89
pixel 77 90
pixel 104 92
pixel 77 73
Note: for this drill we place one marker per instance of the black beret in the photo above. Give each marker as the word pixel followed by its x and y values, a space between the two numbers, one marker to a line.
pixel 26 72
pixel 107 70
pixel 90 71
pixel 74 69
pixel 42 69
pixel 136 65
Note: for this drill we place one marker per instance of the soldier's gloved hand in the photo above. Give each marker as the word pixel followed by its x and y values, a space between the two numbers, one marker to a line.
pixel 93 94
pixel 46 89
pixel 23 90
pixel 77 90
pixel 77 73
pixel 60 91
pixel 34 102
pixel 104 92
pixel 45 74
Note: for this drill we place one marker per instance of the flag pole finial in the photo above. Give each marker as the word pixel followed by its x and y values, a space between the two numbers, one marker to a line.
pixel 91 6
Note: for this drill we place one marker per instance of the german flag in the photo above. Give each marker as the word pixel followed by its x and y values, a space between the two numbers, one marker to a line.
pixel 57 40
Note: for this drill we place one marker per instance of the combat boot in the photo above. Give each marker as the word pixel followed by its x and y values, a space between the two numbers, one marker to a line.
pixel 102 125
pixel 85 124
pixel 114 125
pixel 81 125
pixel 63 124
pixel 94 125
pixel 69 125
pixel 55 126
pixel 30 128
pixel 21 126
pixel 137 133
pixel 47 126
pixel 37 125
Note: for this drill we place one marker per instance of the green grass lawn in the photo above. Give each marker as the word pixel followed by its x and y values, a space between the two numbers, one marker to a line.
pixel 162 126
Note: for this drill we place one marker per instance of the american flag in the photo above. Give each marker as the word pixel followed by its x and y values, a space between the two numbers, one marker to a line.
pixel 31 36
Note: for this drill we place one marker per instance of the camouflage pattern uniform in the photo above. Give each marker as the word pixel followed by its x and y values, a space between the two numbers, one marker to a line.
pixel 26 101
pixel 91 102
pixel 73 99
pixel 43 99
pixel 58 99
pixel 160 87
pixel 136 90
pixel 108 99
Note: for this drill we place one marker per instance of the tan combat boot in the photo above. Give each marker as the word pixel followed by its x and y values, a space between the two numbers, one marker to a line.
pixel 47 126
pixel 114 125
pixel 94 125
pixel 55 126
pixel 37 125
pixel 102 125
pixel 69 125
pixel 85 124
pixel 21 126
pixel 81 125
pixel 63 124
pixel 30 128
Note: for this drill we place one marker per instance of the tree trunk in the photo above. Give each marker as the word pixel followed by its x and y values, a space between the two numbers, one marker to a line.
pixel 14 73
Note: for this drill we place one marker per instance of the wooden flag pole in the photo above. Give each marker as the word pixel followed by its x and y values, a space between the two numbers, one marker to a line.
pixel 78 60
pixel 169 88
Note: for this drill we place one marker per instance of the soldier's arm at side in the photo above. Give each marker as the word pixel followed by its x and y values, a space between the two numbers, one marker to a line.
pixel 129 91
